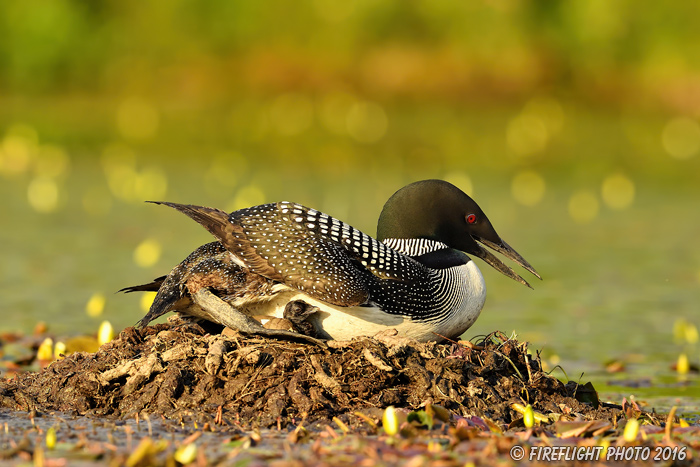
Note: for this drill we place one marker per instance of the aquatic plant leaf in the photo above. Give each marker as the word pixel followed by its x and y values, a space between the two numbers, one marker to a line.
pixel 390 421
pixel 438 412
pixel 567 429
pixel 422 418
pixel 587 394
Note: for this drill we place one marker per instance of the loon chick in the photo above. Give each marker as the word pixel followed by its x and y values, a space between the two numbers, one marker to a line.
pixel 416 277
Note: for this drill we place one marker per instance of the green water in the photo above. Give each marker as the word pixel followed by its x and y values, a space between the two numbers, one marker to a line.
pixel 612 287
pixel 229 103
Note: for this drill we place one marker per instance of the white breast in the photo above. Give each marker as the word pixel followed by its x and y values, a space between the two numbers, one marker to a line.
pixel 472 297
pixel 344 323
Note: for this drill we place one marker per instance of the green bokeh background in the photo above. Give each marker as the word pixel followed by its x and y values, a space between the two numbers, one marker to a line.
pixel 575 125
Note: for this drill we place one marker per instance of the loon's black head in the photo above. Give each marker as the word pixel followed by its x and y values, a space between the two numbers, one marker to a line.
pixel 438 210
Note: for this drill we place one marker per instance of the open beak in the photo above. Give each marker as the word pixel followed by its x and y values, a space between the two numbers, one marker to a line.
pixel 507 251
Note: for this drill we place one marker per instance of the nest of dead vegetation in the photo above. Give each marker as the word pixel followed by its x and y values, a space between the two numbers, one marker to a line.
pixel 179 371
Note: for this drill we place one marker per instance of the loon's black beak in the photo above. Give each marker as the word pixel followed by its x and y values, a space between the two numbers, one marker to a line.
pixel 507 251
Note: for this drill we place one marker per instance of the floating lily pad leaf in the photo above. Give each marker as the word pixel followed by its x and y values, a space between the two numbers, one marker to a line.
pixel 245 442
pixel 422 418
pixel 438 412
pixel 493 426
pixel 82 344
pixel 587 394
pixel 462 433
pixel 615 366
pixel 472 421
pixel 581 429
pixel 631 409
pixel 517 423
pixel 299 435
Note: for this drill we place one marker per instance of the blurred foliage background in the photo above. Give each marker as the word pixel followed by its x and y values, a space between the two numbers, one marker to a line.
pixel 575 125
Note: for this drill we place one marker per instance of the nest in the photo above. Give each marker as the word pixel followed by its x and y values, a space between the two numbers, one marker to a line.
pixel 179 371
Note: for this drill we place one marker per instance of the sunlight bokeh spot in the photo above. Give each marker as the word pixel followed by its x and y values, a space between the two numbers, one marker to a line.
pixel 691 334
pixel 16 155
pixel 247 196
pixel 527 134
pixel 42 194
pixel 126 182
pixel 18 149
pixel 150 183
pixel 685 332
pixel 367 122
pixel 122 182
pixel 333 111
pixel 137 119
pixel 618 191
pixel 25 132
pixel 583 207
pixel 258 123
pixel 147 253
pixel 681 138
pixel 462 181
pixel 607 16
pixel 95 305
pixel 147 300
pixel 116 156
pixel 227 169
pixel 548 110
pixel 119 163
pixel 528 187
pixel 291 114
pixel 52 161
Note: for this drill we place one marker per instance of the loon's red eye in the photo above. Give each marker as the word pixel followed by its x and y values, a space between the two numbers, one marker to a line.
pixel 471 218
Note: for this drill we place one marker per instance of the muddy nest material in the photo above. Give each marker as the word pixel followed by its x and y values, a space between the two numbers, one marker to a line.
pixel 180 371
